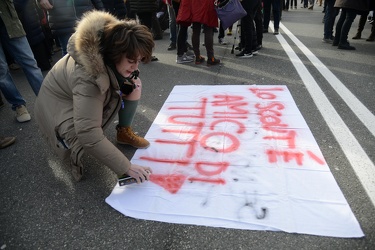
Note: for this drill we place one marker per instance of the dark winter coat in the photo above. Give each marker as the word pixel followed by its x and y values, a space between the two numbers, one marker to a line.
pixel 115 7
pixel 28 14
pixel 362 6
pixel 140 6
pixel 64 15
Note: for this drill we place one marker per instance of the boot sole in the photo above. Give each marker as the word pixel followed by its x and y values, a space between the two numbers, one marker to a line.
pixel 124 143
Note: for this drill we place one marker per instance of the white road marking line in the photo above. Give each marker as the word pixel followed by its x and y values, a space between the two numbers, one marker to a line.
pixel 360 110
pixel 359 160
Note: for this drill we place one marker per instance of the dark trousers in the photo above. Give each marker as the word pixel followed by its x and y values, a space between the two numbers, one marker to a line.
pixel 248 28
pixel 181 40
pixel 145 18
pixel 267 13
pixel 329 18
pixel 258 20
pixel 208 39
pixel 343 25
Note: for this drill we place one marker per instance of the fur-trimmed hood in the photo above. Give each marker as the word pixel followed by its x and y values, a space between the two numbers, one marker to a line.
pixel 84 45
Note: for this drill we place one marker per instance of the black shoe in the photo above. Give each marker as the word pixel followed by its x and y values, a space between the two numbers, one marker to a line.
pixel 212 61
pixel 257 47
pixel 244 54
pixel 335 43
pixel 171 46
pixel 327 40
pixel 276 32
pixel 265 30
pixel 345 47
pixel 154 59
pixel 255 50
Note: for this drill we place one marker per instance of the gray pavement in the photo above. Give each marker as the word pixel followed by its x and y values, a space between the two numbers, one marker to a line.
pixel 42 207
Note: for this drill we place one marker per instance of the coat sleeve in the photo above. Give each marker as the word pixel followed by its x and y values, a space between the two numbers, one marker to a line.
pixel 88 118
pixel 184 16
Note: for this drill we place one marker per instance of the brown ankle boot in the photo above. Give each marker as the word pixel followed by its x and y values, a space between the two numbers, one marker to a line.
pixel 125 135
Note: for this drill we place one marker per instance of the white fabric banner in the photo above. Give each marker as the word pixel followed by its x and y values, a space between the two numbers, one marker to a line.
pixel 236 157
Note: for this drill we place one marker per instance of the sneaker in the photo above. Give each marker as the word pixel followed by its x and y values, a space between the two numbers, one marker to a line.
pixel 184 59
pixel 244 54
pixel 22 114
pixel 222 42
pixel 199 60
pixel 213 61
pixel 172 46
pixel 125 135
pixel 6 141
pixel 276 32
pixel 256 49
pixel 154 59
pixel 327 40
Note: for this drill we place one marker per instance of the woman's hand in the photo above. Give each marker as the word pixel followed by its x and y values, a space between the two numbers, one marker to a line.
pixel 139 173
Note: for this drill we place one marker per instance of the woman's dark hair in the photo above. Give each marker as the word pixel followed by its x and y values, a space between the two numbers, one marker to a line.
pixel 126 38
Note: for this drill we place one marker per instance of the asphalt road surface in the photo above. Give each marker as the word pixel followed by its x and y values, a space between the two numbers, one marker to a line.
pixel 42 207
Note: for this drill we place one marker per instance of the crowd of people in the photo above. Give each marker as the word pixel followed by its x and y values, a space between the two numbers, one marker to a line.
pixel 102 43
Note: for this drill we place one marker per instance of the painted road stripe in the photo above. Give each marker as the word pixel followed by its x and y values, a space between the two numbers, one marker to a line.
pixel 360 110
pixel 360 162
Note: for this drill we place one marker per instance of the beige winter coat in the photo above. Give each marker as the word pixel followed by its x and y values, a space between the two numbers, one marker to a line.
pixel 79 98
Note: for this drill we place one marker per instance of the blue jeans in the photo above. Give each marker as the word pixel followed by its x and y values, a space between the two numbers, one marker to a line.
pixel 343 26
pixel 20 50
pixel 329 19
pixel 63 40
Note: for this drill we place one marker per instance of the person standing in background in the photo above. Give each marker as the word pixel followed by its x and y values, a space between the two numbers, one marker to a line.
pixel 64 14
pixel 116 8
pixel 146 12
pixel 276 9
pixel 198 13
pixel 28 14
pixel 13 39
pixel 349 10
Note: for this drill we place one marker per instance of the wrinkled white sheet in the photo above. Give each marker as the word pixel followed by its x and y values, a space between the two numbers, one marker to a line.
pixel 236 157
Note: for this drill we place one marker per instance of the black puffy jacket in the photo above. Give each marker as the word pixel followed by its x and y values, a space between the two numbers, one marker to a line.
pixel 139 6
pixel 27 12
pixel 64 15
pixel 115 7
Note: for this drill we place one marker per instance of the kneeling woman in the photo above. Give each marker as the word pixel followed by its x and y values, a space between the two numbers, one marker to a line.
pixel 86 89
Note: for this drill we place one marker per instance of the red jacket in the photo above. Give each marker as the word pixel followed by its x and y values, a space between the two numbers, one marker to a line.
pixel 197 11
